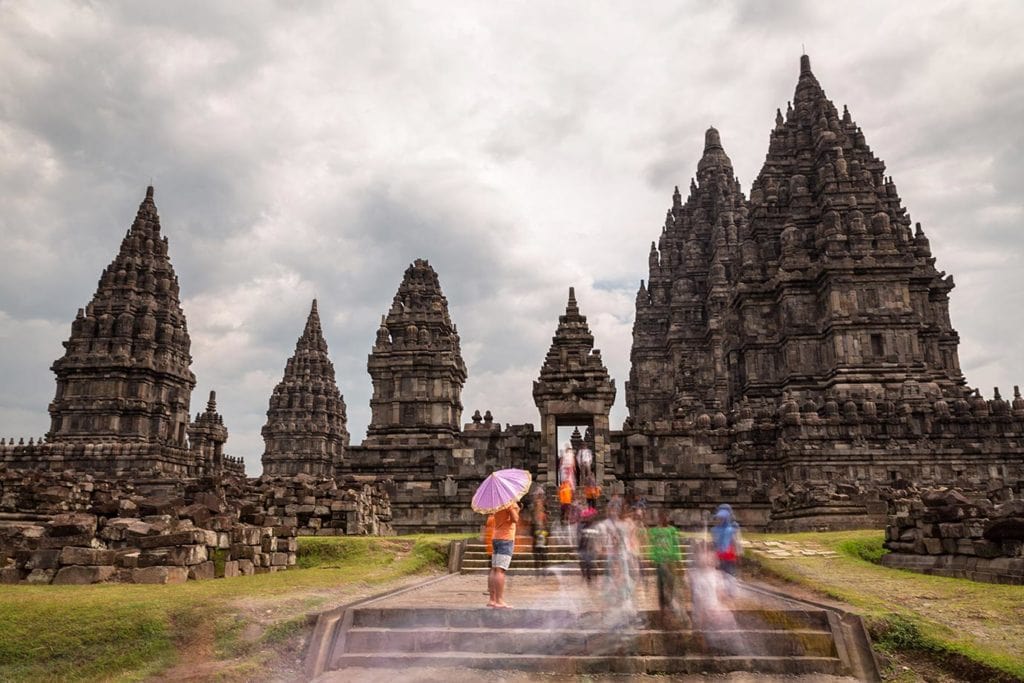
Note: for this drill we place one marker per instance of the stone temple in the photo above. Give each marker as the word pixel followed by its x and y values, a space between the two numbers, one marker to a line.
pixel 792 355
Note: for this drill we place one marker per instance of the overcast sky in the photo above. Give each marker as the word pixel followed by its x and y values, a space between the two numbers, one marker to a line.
pixel 305 150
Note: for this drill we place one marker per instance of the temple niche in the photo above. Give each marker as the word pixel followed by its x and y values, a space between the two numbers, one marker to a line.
pixel 306 430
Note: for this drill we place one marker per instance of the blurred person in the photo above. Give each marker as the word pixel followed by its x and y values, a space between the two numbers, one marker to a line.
pixel 505 522
pixel 663 544
pixel 705 585
pixel 725 536
pixel 539 524
pixel 586 462
pixel 567 466
pixel 588 543
pixel 618 534
pixel 591 492
pixel 565 500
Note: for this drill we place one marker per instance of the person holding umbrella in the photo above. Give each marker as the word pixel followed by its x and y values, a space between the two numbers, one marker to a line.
pixel 499 495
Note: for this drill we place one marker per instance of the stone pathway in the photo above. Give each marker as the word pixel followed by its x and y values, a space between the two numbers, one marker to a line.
pixel 781 550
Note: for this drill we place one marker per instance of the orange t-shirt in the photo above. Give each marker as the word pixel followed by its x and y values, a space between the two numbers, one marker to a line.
pixel 489 534
pixel 565 494
pixel 505 524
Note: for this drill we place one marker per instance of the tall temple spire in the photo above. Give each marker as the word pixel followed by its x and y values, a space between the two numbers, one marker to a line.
pixel 129 347
pixel 306 430
pixel 822 205
pixel 680 314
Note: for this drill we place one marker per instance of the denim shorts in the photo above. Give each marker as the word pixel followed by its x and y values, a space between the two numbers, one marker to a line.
pixel 502 556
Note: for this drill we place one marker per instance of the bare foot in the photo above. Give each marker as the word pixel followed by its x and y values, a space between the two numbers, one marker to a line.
pixel 502 605
pixel 492 604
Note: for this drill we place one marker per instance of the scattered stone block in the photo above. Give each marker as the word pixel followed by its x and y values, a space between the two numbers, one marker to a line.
pixel 86 556
pixel 160 575
pixel 201 571
pixel 77 575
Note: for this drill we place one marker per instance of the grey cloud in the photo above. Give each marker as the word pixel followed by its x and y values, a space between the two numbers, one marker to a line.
pixel 315 150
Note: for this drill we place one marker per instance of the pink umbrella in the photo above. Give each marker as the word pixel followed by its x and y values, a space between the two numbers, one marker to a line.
pixel 500 490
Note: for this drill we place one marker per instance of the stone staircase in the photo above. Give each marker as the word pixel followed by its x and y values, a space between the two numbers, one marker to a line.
pixel 773 641
pixel 558 631
pixel 559 558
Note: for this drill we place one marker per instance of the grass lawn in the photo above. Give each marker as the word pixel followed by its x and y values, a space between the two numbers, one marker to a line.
pixel 948 618
pixel 128 632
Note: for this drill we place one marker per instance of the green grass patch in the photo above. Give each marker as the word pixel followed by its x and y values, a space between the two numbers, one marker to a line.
pixel 869 549
pixel 129 632
pixel 975 628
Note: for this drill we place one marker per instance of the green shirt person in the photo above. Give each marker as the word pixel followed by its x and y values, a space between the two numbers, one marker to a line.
pixel 663 544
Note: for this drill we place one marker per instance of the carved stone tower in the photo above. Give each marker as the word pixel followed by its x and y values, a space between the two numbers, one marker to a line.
pixel 416 365
pixel 306 428
pixel 837 296
pixel 125 377
pixel 573 389
pixel 678 359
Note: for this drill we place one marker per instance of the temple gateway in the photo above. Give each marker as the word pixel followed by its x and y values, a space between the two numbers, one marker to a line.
pixel 792 355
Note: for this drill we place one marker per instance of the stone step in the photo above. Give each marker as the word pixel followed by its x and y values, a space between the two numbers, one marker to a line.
pixel 563 664
pixel 483 617
pixel 569 555
pixel 567 640
pixel 522 560
pixel 557 569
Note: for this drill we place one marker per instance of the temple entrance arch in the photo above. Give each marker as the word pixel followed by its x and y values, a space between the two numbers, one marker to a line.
pixel 573 390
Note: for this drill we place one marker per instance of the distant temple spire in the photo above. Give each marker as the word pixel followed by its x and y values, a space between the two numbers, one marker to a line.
pixel 306 430
pixel 416 365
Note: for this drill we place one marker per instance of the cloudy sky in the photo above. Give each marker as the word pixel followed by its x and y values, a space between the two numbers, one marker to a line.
pixel 306 150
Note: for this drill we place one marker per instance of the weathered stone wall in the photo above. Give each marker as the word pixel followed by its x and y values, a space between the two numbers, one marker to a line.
pixel 430 489
pixel 976 535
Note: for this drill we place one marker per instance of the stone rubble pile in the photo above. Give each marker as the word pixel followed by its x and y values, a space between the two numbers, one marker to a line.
pixel 72 528
pixel 318 506
pixel 974 535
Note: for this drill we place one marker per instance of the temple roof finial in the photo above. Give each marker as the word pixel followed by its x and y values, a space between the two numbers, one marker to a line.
pixel 572 309
pixel 712 140
pixel 313 330
pixel 149 192
pixel 805 64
